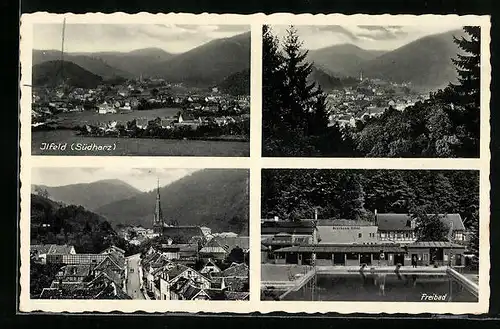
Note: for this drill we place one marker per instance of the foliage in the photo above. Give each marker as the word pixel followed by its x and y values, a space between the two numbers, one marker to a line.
pixel 237 83
pixel 41 276
pixel 73 225
pixel 236 255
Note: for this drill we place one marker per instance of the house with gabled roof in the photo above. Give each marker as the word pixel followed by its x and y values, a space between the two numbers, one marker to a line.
pixel 220 246
pixel 175 272
pixel 401 227
pixel 210 267
pixel 40 251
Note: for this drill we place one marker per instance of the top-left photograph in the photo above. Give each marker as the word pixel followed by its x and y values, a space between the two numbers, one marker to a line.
pixel 140 90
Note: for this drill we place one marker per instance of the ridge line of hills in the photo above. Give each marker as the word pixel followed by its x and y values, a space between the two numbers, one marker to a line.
pixel 206 65
pixel 425 62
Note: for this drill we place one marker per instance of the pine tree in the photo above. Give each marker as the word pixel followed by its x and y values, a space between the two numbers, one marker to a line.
pixel 466 94
pixel 272 85
pixel 300 96
pixel 468 66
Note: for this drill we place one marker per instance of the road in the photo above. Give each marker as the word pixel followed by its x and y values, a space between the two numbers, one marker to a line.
pixel 133 280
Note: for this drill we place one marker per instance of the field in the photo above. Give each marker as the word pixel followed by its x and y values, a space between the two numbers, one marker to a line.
pixel 136 146
pixel 94 118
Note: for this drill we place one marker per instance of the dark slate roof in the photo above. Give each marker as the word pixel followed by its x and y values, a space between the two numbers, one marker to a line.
pixel 215 294
pixel 190 292
pixel 236 270
pixel 291 227
pixel 229 242
pixel 74 270
pixel 175 270
pixel 186 116
pixel 435 244
pixel 343 248
pixel 183 233
pixel 67 285
pixel 51 249
pixel 344 222
pixel 113 248
pixel 237 295
pixel 398 222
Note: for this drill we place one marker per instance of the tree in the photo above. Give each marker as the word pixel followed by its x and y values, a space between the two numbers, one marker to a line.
pixel 293 108
pixel 429 227
pixel 237 255
pixel 272 84
pixel 468 66
pixel 466 94
pixel 42 192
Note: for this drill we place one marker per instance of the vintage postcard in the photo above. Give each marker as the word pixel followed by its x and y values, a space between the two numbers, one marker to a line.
pixel 255 163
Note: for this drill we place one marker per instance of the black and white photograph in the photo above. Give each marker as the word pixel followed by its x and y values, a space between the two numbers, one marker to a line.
pixel 370 235
pixel 119 233
pixel 140 89
pixel 402 91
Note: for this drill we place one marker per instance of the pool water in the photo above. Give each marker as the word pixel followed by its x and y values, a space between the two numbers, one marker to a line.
pixel 382 287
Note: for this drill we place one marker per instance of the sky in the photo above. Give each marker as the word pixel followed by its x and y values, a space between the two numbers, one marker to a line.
pixel 364 36
pixel 115 37
pixel 143 179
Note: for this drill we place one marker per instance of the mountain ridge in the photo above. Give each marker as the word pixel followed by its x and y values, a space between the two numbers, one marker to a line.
pixel 217 198
pixel 207 64
pixel 90 195
pixel 425 62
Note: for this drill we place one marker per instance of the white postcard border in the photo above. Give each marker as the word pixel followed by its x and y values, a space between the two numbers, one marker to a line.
pixel 255 162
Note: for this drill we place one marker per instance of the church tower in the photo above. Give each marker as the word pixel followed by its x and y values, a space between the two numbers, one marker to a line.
pixel 361 76
pixel 158 214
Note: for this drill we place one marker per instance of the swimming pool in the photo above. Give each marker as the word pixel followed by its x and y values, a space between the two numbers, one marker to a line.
pixel 389 287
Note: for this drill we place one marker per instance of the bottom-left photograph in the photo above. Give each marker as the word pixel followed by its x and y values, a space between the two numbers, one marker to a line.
pixel 139 233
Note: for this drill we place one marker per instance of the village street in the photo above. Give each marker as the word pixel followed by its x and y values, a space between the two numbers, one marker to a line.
pixel 133 280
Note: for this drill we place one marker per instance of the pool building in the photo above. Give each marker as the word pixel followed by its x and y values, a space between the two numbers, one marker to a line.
pixel 390 239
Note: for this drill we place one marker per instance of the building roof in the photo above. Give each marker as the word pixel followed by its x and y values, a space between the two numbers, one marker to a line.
pixel 180 247
pixel 435 244
pixel 113 248
pixel 182 233
pixel 176 270
pixel 228 243
pixel 398 222
pixel 344 222
pixel 68 285
pixel 186 116
pixel 237 295
pixel 343 248
pixel 73 270
pixel 236 270
pixel 213 250
pixel 52 249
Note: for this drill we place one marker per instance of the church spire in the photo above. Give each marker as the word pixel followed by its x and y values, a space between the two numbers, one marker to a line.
pixel 158 215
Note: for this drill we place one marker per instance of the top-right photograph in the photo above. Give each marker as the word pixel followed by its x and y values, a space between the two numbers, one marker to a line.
pixel 371 91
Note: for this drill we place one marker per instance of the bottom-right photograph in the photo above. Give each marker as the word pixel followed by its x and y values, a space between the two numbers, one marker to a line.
pixel 370 235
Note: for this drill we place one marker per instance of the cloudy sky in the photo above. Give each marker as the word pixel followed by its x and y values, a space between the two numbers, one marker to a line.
pixel 115 37
pixel 143 179
pixel 363 36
